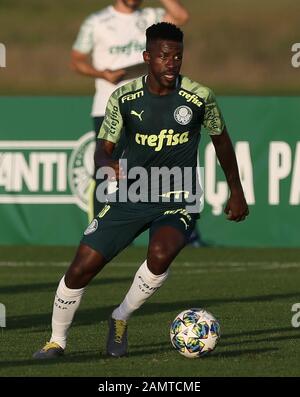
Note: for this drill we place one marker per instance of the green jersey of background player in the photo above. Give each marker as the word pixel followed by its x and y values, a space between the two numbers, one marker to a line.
pixel 116 226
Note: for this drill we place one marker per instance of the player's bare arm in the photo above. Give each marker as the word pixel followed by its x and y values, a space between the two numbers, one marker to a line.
pixel 236 208
pixel 80 63
pixel 175 12
pixel 103 158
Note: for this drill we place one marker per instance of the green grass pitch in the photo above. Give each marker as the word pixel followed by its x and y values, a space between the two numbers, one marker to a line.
pixel 251 292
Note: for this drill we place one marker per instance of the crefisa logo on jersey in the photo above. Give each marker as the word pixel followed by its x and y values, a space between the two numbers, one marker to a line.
pixel 183 115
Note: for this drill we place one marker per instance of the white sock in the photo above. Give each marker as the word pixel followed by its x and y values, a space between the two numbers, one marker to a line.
pixel 144 285
pixel 66 303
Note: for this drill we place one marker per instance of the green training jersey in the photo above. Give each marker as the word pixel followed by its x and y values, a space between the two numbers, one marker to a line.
pixel 162 132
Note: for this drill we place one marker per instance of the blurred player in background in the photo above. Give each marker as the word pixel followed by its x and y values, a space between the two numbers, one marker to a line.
pixel 115 37
pixel 155 139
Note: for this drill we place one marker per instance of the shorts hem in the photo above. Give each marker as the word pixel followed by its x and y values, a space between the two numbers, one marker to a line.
pixel 90 245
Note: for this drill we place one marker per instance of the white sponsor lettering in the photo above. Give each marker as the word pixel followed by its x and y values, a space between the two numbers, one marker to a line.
pixel 296 57
pixel 243 154
pixel 216 192
pixel 295 185
pixel 296 317
pixel 282 166
pixel 46 172
pixel 2 55
pixel 2 316
pixel 59 172
pixel 42 172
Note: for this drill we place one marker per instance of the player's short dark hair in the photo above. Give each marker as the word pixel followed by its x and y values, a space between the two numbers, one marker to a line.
pixel 163 31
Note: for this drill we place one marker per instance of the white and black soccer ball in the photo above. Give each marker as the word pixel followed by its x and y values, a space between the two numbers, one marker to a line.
pixel 194 332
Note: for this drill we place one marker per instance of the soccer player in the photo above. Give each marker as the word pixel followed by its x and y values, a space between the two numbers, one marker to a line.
pixel 162 113
pixel 115 36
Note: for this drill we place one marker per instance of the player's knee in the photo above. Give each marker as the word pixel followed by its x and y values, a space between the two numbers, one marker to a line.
pixel 76 276
pixel 86 264
pixel 158 250
pixel 159 257
pixel 81 272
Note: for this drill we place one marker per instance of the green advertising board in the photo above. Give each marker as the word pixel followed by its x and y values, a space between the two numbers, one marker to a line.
pixel 46 162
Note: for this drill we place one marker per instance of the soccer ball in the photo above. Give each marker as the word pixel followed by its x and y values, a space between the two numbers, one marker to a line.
pixel 194 332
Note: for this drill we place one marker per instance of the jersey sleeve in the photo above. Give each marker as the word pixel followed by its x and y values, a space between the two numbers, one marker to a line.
pixel 112 125
pixel 213 118
pixel 84 42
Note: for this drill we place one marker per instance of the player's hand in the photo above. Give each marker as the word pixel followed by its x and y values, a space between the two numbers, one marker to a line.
pixel 113 76
pixel 116 171
pixel 237 208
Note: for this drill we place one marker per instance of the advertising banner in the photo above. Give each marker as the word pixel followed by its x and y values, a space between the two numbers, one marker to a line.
pixel 46 164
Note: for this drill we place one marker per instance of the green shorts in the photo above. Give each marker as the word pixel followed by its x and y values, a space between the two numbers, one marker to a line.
pixel 118 224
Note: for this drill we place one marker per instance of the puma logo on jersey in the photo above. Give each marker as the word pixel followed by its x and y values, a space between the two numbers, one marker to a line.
pixel 165 137
pixel 139 115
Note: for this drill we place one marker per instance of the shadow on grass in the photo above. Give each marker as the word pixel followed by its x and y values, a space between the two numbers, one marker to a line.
pixel 251 334
pixel 83 357
pixel 258 332
pixel 52 286
pixel 165 347
pixel 267 339
pixel 95 315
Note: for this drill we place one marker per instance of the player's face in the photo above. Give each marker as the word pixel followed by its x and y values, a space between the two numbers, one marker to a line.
pixel 132 4
pixel 164 59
